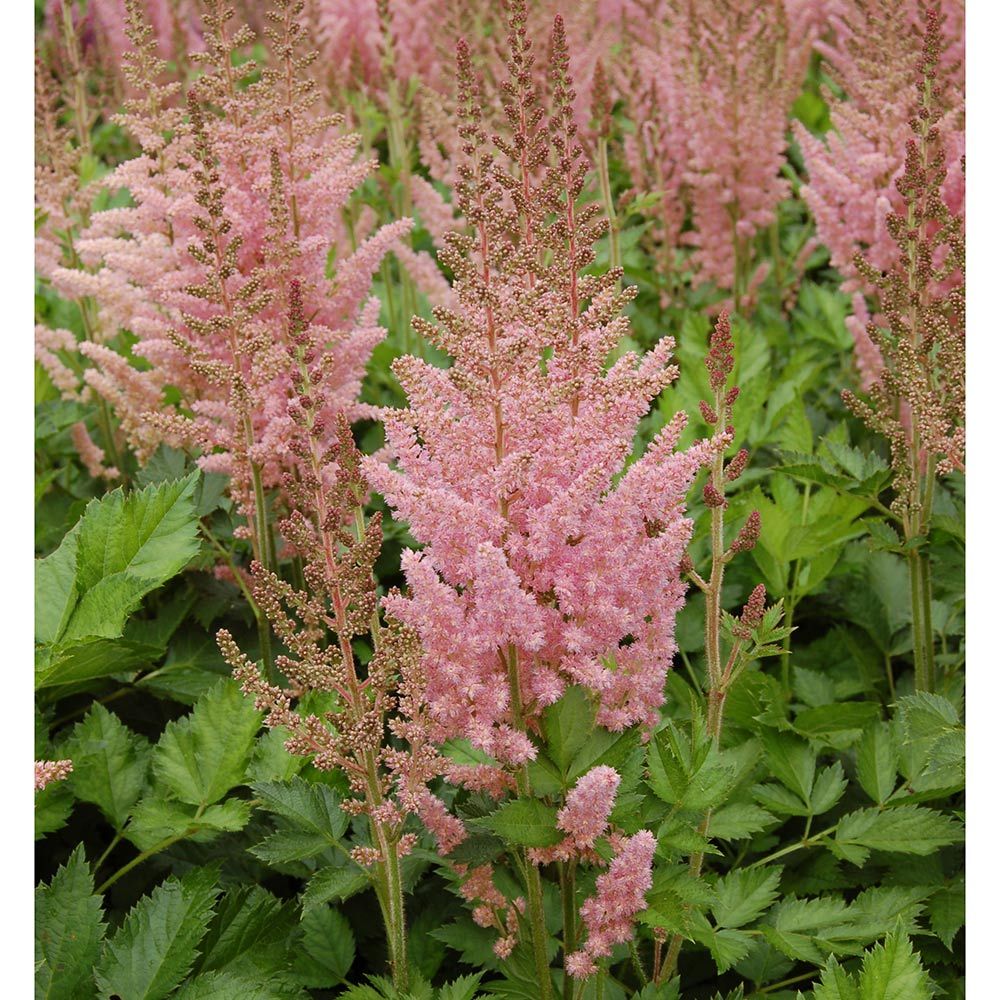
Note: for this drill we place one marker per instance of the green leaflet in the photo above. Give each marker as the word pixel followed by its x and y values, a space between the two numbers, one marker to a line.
pixel 524 822
pixel 68 932
pixel 904 829
pixel 109 763
pixel 328 946
pixel 313 819
pixel 203 755
pixel 155 948
pixel 121 549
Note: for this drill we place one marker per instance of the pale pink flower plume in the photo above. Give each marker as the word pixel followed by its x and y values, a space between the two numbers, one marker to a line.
pixel 584 817
pixel 874 57
pixel 47 771
pixel 610 913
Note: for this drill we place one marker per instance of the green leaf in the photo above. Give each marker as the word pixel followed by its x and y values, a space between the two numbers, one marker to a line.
pixel 946 909
pixel 829 786
pixel 836 983
pixel 109 763
pixel 155 820
pixel 122 548
pixel 891 971
pixel 744 894
pixel 905 830
pixel 463 988
pixel 877 762
pixel 229 985
pixel 567 725
pixel 791 761
pixel 334 884
pixel 203 755
pixel 68 932
pixel 312 810
pixel 55 588
pixel 825 719
pixel 524 822
pixel 156 946
pixel 328 947
pixel 739 821
pixel 250 924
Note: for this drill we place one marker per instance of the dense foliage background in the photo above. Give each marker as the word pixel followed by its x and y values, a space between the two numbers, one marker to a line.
pixel 189 854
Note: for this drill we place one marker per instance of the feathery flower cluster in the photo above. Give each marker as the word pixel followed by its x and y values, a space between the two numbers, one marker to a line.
pixel 326 529
pixel 492 908
pixel 51 770
pixel 711 83
pixel 584 817
pixel 874 59
pixel 537 570
pixel 621 894
pixel 917 400
pixel 231 203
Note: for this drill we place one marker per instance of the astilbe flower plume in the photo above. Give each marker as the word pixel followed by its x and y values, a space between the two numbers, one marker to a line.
pixel 231 202
pixel 874 57
pixel 47 771
pixel 710 84
pixel 537 569
pixel 917 400
pixel 621 894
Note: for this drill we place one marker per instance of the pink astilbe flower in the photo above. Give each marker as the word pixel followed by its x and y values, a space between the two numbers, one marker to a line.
pixel 51 770
pixel 228 210
pixel 584 817
pixel 492 908
pixel 538 568
pixel 874 58
pixel 711 83
pixel 621 894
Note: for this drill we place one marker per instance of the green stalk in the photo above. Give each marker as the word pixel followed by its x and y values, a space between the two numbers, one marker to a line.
pixel 532 875
pixel 567 882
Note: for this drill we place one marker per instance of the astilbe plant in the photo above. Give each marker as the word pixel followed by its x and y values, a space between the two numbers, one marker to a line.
pixel 874 58
pixel 540 567
pixel 917 400
pixel 230 201
pixel 753 632
pixel 710 83
pixel 317 625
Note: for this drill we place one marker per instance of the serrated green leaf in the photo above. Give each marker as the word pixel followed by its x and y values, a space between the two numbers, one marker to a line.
pixel 829 786
pixel 334 884
pixel 229 985
pixel 109 763
pixel 877 762
pixel 567 726
pixel 905 830
pixel 249 921
pixel 155 820
pixel 891 971
pixel 68 932
pixel 744 894
pixel 824 719
pixel 463 988
pixel 524 822
pixel 328 947
pixel 738 821
pixel 123 547
pixel 836 983
pixel 156 946
pixel 791 761
pixel 946 909
pixel 203 755
pixel 313 814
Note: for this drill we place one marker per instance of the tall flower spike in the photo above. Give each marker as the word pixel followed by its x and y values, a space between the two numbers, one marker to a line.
pixel 874 58
pixel 621 895
pixel 537 570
